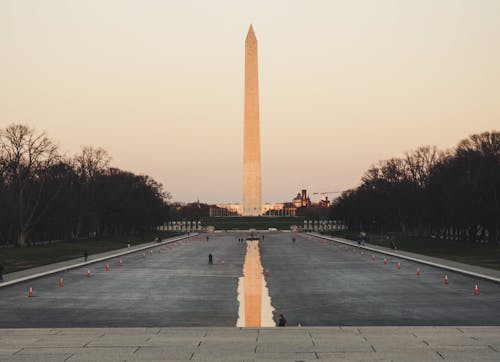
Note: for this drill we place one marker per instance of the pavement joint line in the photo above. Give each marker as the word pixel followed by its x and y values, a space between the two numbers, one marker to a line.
pixel 425 342
pixel 136 349
pixel 71 355
pixel 421 261
pixel 458 329
pixel 312 339
pixel 94 261
pixel 493 349
pixel 440 355
pixel 374 350
pixel 95 339
pixel 414 335
pixel 16 352
pixel 316 354
pixel 192 355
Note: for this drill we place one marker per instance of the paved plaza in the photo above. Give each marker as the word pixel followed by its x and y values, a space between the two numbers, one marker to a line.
pixel 350 306
pixel 253 344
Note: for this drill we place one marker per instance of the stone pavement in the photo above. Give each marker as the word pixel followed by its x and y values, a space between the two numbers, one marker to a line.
pixel 313 282
pixel 492 274
pixel 26 273
pixel 252 344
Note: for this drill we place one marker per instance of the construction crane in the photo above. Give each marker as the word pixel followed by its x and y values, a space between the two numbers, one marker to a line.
pixel 326 193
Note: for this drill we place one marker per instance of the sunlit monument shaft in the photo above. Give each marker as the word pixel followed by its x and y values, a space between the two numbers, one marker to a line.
pixel 252 193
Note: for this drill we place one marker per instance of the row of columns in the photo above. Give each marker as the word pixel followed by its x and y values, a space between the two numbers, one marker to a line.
pixel 324 225
pixel 181 226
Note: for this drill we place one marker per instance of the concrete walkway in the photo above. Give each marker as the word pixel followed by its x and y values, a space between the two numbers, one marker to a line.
pixel 235 344
pixel 32 273
pixel 473 270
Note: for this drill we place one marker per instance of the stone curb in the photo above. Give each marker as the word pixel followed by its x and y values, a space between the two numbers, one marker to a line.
pixel 93 261
pixel 422 261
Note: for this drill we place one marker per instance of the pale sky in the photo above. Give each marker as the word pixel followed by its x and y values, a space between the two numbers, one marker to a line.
pixel 159 84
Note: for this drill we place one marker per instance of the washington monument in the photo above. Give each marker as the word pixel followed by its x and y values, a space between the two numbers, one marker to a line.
pixel 252 193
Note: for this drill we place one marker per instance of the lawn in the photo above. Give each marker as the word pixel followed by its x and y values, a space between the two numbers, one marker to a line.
pixel 253 222
pixel 481 254
pixel 15 259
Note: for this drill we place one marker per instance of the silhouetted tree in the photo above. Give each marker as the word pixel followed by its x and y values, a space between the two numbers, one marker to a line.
pixel 431 192
pixel 26 158
pixel 44 196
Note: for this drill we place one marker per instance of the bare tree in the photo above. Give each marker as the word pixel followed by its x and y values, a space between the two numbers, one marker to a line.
pixel 420 162
pixel 88 164
pixel 25 158
pixel 91 161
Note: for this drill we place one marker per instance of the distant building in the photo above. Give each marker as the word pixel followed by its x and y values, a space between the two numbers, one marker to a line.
pixel 325 202
pixel 301 200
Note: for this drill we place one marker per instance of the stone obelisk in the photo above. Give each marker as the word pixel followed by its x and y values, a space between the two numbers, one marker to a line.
pixel 252 193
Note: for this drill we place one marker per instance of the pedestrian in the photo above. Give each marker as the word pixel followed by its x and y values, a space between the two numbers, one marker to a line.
pixel 85 255
pixel 293 240
pixel 1 272
pixel 210 259
pixel 262 237
pixel 207 238
pixel 281 321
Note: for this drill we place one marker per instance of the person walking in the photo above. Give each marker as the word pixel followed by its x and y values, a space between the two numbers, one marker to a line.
pixel 85 255
pixel 210 259
pixel 281 321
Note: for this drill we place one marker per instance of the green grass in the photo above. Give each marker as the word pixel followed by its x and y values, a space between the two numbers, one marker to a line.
pixel 252 222
pixel 480 254
pixel 15 259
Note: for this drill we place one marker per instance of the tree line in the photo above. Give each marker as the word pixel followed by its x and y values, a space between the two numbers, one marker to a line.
pixel 45 195
pixel 433 193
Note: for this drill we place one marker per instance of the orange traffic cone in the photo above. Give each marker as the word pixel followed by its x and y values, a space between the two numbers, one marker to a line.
pixel 385 261
pixel 30 293
pixel 476 290
pixel 267 272
pixel 399 265
pixel 418 271
pixel 61 282
pixel 446 279
pixel 88 273
pixel 121 262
